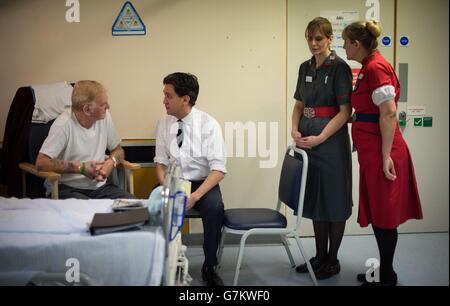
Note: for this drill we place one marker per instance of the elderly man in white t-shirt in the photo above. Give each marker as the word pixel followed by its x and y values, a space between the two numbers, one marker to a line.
pixel 76 145
pixel 193 140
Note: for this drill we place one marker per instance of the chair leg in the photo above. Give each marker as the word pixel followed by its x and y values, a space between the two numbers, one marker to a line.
pixel 24 184
pixel 55 190
pixel 221 245
pixel 288 251
pixel 305 258
pixel 239 260
pixel 129 181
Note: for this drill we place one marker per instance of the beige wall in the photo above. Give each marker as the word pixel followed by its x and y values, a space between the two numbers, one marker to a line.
pixel 246 54
pixel 236 48
pixel 229 49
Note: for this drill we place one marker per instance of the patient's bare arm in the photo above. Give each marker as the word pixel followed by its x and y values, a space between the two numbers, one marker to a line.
pixel 45 163
pixel 116 157
pixel 118 154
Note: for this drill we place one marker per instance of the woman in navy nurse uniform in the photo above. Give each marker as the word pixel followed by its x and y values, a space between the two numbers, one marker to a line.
pixel 388 193
pixel 319 118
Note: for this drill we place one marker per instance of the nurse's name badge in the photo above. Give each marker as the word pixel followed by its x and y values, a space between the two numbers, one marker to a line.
pixel 308 79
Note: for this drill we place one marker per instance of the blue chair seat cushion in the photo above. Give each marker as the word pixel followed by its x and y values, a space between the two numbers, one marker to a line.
pixel 193 213
pixel 248 218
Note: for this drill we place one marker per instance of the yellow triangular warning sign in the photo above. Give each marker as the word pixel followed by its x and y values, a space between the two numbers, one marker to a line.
pixel 128 22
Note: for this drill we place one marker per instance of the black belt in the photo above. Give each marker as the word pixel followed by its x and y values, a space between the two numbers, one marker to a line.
pixel 375 118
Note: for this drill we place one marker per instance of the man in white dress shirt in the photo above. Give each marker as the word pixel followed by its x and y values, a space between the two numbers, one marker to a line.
pixel 193 140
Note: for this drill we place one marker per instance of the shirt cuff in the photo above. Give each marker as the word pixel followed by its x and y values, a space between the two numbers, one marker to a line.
pixel 383 94
pixel 161 160
pixel 218 167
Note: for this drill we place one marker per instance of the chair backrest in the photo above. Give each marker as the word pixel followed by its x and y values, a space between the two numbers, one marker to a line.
pixel 291 188
pixel 38 133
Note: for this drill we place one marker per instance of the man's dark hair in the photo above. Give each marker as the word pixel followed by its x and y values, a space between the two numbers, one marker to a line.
pixel 184 84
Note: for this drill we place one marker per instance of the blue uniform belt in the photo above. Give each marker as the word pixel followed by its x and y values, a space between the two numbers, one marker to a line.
pixel 375 118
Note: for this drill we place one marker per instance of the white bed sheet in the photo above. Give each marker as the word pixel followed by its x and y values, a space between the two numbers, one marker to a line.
pixel 42 234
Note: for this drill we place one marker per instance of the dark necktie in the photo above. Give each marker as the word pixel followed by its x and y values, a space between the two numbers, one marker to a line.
pixel 180 133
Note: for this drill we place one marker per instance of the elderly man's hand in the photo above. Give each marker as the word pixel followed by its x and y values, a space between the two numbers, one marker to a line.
pixel 94 170
pixel 104 169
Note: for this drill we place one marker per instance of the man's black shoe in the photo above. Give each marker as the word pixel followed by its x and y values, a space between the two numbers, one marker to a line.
pixel 210 276
pixel 316 264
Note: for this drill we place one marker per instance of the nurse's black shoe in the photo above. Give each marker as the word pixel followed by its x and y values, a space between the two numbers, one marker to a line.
pixel 316 264
pixel 328 270
pixel 361 277
pixel 384 282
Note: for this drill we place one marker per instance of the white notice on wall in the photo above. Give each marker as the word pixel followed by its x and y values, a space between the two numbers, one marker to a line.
pixel 339 20
pixel 416 111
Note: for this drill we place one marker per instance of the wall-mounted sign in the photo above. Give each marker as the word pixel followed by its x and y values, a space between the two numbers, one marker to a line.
pixel 386 41
pixel 416 111
pixel 339 20
pixel 128 22
pixel 427 121
pixel 418 121
pixel 423 121
pixel 404 41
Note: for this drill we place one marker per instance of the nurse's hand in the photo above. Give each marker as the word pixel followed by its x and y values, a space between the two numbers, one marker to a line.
pixel 297 136
pixel 311 141
pixel 389 169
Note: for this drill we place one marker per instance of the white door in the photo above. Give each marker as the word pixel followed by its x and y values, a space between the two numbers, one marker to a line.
pixel 425 24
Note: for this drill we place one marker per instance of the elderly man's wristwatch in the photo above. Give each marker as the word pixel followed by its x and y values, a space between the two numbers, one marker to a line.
pixel 114 161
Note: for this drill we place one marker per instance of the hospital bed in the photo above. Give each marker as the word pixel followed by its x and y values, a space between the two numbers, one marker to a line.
pixel 44 241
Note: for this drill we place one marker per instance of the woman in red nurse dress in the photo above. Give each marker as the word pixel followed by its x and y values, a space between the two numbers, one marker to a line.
pixel 388 194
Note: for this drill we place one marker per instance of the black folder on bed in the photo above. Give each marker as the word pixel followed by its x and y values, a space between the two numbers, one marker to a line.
pixel 104 223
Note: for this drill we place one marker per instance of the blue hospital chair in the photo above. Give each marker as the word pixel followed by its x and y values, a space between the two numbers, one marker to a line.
pixel 263 221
